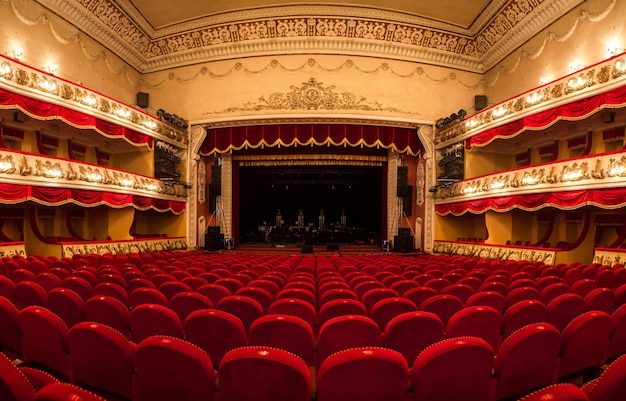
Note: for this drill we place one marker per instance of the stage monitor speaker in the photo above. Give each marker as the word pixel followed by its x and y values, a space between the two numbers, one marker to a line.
pixel 143 99
pixel 403 243
pixel 307 249
pixel 480 102
pixel 212 241
pixel 403 173
pixel 407 201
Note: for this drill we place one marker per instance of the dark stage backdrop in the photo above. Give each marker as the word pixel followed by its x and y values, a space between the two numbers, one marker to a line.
pixel 265 190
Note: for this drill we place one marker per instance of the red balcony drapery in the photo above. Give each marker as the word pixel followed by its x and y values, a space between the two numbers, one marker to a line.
pixel 222 140
pixel 45 111
pixel 576 110
pixel 51 196
pixel 567 200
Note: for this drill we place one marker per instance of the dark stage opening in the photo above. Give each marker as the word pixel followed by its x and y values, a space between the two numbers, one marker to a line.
pixel 355 190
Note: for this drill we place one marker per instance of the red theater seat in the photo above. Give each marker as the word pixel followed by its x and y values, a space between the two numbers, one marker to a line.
pixel 67 305
pixel 410 333
pixel 560 392
pixel 345 332
pixel 152 319
pixel 285 332
pixel 10 332
pixel 611 385
pixel 108 311
pixel 295 307
pixel 564 308
pixel 184 303
pixel 65 392
pixel 476 321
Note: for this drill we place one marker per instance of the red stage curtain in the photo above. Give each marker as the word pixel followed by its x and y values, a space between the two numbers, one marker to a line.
pixel 221 140
pixel 572 111
pixel 603 198
pixel 46 111
pixel 11 193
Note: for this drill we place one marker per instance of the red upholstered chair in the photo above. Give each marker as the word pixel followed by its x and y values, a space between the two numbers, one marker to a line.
pixel 364 374
pixel 48 281
pixel 215 331
pixel 520 294
pixel 184 303
pixel 298 293
pixel 109 311
pixel 496 286
pixel 522 314
pixel 258 373
pixel 340 307
pixel 583 286
pixel 584 342
pixel 65 392
pixel 20 275
pixel 443 306
pixel 147 295
pixel 10 332
pixel 152 319
pixel 45 339
pixel 271 283
pixel 295 307
pixel 173 369
pixel 67 305
pixel 617 337
pixel 345 332
pixel 29 293
pixel 7 288
pixel 112 290
pixel 386 309
pixel 419 294
pixel 363 287
pixel 214 292
pixel 14 386
pixel 232 284
pixel 601 299
pixel 527 360
pixel 487 298
pixel 410 333
pixel 139 282
pixel 620 295
pixel 437 284
pixel 403 286
pixel 194 282
pixel 374 295
pixel 611 385
pixel 261 295
pixel 102 358
pixel 171 288
pixel 560 392
pixel 461 291
pixel 453 369
pixel 564 308
pixel 285 332
pixel 476 321
pixel 545 281
pixel 79 285
pixel 245 308
pixel 335 293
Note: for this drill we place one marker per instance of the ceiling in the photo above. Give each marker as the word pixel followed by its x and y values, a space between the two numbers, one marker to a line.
pixel 157 35
pixel 162 14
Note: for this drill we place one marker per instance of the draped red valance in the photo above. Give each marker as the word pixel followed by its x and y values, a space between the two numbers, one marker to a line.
pixel 567 200
pixel 221 140
pixel 45 111
pixel 11 193
pixel 576 110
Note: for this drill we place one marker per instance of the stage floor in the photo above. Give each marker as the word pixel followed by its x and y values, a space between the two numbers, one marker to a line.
pixel 291 249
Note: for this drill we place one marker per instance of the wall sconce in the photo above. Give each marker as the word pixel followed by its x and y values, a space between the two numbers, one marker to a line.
pixel 573 67
pixel 17 54
pixel 52 68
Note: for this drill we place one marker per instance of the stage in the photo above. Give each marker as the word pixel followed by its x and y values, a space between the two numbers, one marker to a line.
pixel 317 250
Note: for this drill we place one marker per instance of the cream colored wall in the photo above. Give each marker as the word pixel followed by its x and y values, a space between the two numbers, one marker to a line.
pixel 499 227
pixel 135 162
pixel 581 37
pixel 522 228
pixel 229 89
pixel 120 221
pixel 47 40
pixel 479 163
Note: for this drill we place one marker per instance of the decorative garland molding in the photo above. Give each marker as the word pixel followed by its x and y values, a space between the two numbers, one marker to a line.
pixel 496 252
pixel 289 30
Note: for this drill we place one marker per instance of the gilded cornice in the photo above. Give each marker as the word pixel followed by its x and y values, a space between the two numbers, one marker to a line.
pixel 591 172
pixel 289 30
pixel 123 247
pixel 587 82
pixel 27 81
pixel 38 170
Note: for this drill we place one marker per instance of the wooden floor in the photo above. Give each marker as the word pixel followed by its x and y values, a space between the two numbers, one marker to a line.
pixel 289 249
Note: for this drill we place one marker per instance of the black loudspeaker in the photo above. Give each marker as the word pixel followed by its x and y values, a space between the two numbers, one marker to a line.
pixel 213 229
pixel 403 173
pixel 404 231
pixel 403 243
pixel 143 99
pixel 212 201
pixel 212 241
pixel 307 249
pixel 216 180
pixel 407 201
pixel 480 102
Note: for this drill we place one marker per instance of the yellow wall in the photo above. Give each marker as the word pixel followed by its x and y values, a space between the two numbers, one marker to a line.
pixel 140 162
pixel 120 221
pixel 479 163
pixel 499 227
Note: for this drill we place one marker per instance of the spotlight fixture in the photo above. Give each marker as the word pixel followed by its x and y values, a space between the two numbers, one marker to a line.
pixel 172 119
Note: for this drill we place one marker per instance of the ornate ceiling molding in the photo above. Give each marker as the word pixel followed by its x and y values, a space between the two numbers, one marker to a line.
pixel 289 30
